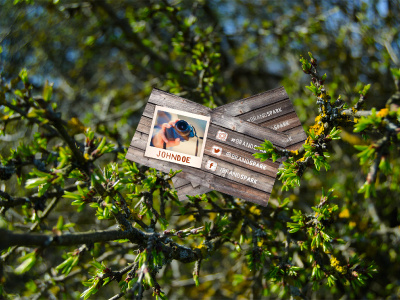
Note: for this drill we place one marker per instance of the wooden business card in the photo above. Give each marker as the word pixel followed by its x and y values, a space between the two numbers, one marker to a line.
pixel 215 134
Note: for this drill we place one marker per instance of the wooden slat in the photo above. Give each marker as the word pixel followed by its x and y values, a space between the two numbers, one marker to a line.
pixel 267 167
pixel 254 102
pixel 149 110
pixel 269 112
pixel 144 124
pixel 283 123
pixel 161 98
pixel 297 135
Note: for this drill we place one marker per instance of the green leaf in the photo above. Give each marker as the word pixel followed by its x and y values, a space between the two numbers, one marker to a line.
pixel 65 263
pixel 90 291
pixel 23 74
pixel 47 91
pixel 360 126
pixel 311 88
pixel 164 223
pixel 34 182
pixel 102 144
pixel 40 173
pixel 384 166
pixel 60 223
pixel 395 72
pixel 77 202
pixel 293 230
pixel 360 147
pixel 97 265
pixel 74 262
pixel 43 188
pixel 365 89
pixel 196 279
pixel 314 271
pixel 366 189
pixel 72 196
pixel 29 261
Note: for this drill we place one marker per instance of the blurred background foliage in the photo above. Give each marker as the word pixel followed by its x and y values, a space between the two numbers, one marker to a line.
pixel 104 57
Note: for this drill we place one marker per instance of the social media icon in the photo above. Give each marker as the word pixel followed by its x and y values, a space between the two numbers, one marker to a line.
pixel 221 135
pixel 216 150
pixel 211 165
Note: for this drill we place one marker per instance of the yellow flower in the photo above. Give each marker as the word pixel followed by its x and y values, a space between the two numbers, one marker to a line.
pixel 338 268
pixel 255 210
pixel 344 214
pixel 383 112
pixel 318 128
pixel 334 261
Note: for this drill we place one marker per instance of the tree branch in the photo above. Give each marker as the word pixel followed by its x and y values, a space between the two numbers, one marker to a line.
pixel 25 115
pixel 43 240
pixel 10 201
pixel 358 114
pixel 13 202
pixel 174 251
